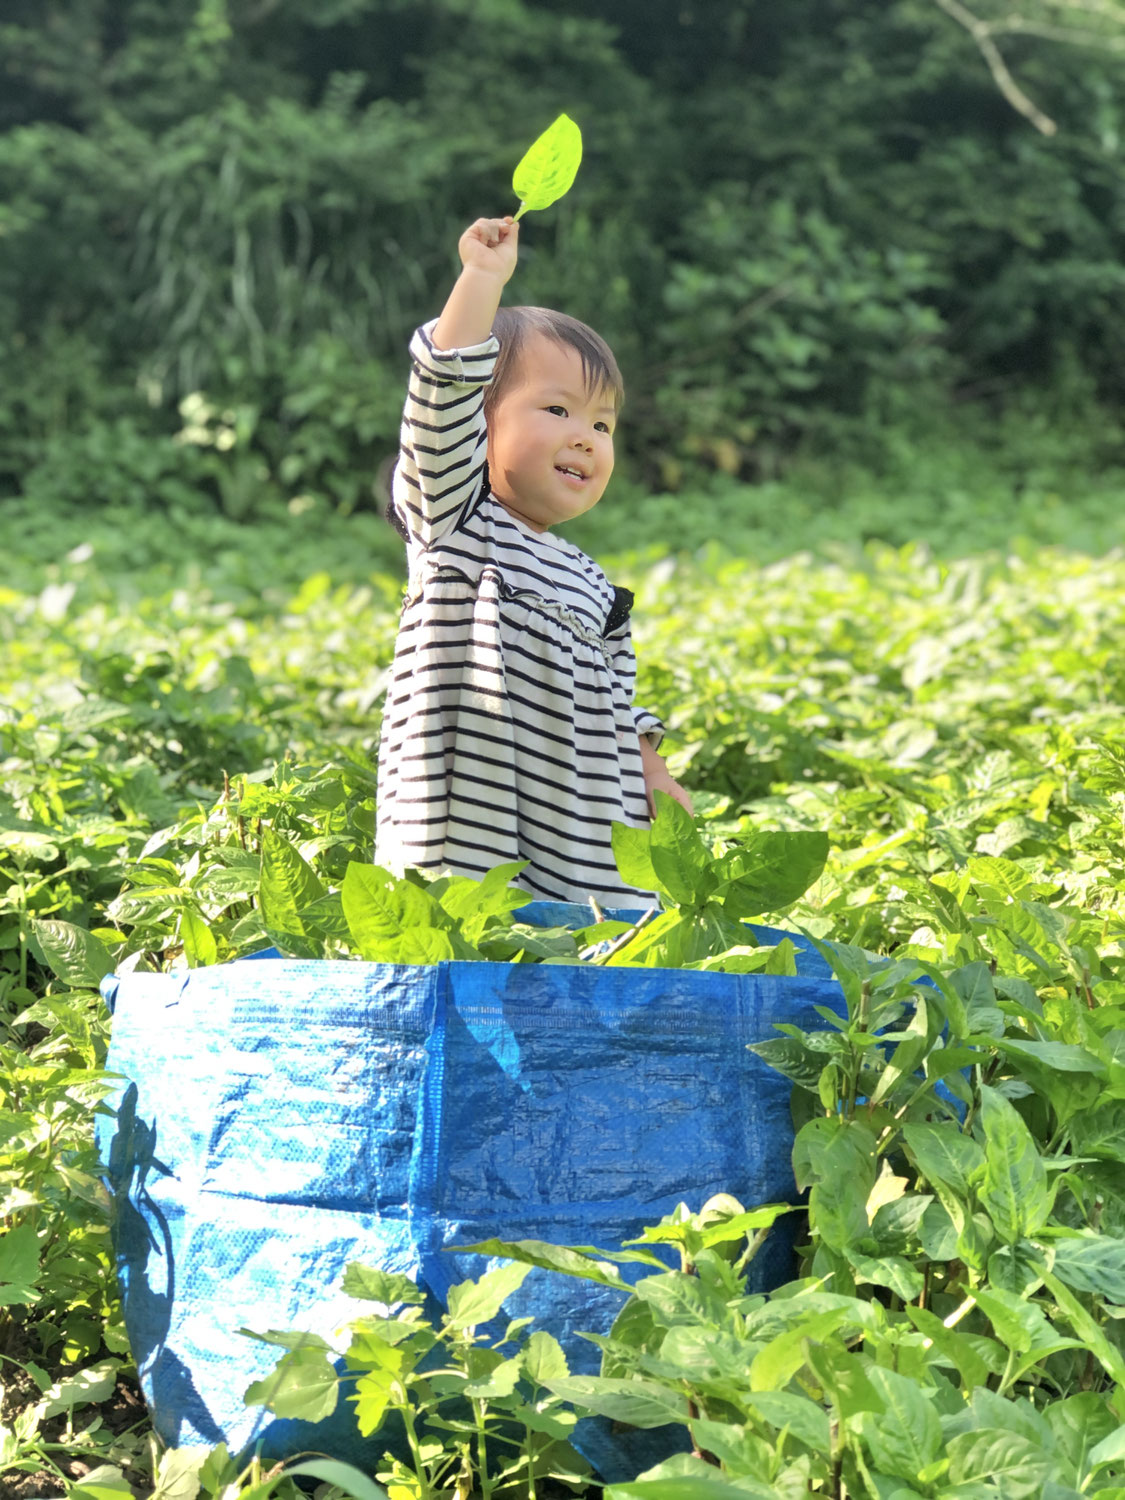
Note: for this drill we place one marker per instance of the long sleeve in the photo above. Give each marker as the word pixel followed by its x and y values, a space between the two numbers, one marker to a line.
pixel 443 441
pixel 620 644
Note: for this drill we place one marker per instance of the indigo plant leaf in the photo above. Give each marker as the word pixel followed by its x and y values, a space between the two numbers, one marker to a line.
pixel 549 166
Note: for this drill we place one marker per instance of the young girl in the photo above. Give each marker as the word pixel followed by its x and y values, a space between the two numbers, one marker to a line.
pixel 509 730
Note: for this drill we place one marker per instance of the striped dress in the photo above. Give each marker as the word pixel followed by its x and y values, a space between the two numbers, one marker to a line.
pixel 509 731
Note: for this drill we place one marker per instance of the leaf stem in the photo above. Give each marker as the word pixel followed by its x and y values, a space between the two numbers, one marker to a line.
pixel 626 937
pixel 960 1312
pixel 482 1450
pixel 401 1400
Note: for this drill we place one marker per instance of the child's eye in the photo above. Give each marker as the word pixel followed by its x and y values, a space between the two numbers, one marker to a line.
pixel 558 410
pixel 602 426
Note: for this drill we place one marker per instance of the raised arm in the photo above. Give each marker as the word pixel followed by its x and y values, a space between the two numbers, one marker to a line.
pixel 437 481
pixel 488 250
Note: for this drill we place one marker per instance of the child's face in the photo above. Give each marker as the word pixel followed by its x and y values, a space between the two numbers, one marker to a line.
pixel 547 425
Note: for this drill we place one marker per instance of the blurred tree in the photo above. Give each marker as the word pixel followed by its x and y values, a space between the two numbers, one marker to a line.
pixel 795 217
pixel 1081 23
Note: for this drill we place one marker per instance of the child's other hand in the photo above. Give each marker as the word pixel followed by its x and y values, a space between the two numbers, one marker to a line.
pixel 491 245
pixel 657 778
pixel 673 788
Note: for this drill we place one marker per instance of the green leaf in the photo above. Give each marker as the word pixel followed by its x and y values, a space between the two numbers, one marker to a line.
pixel 419 945
pixel 85 1388
pixel 199 943
pixel 906 1435
pixel 287 887
pixel 1014 1191
pixel 640 1403
pixel 827 1148
pixel 543 1358
pixel 288 1338
pixel 676 1297
pixel 1021 1325
pixel 1099 1131
pixel 778 1361
pixel 1091 1263
pixel 473 1302
pixel 771 870
pixel 807 1421
pixel 352 1481
pixel 77 957
pixel 632 851
pixel 973 984
pixel 1079 1424
pixel 1016 1268
pixel 944 1154
pixel 19 1266
pixel 1062 1057
pixel 372 1396
pixel 549 166
pixel 684 1477
pixel 178 1475
pixel 378 906
pixel 1087 1328
pixel 492 895
pixel 368 1284
pixel 975 1357
pixel 1008 1460
pixel 838 1158
pixel 739 1225
pixel 302 1385
pixel 500 1382
pixel 898 1223
pixel 682 863
pixel 793 1059
pixel 553 1258
pixel 845 1378
pixel 891 1271
pixel 1109 1449
pixel 103 1483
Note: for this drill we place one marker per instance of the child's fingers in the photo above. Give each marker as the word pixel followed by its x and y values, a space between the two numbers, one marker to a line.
pixel 493 232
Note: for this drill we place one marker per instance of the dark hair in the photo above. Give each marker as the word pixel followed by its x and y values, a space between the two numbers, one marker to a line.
pixel 512 325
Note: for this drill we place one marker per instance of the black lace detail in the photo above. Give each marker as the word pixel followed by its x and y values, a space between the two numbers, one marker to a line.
pixel 619 610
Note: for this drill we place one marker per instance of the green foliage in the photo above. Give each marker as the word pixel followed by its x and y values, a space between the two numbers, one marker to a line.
pixel 548 168
pixel 478 1415
pixel 805 216
pixel 954 1328
pixel 950 724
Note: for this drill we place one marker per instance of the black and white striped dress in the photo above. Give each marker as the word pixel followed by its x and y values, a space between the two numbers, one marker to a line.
pixel 509 731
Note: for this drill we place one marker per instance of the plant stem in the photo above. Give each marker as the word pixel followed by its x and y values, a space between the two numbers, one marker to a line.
pixel 752 1249
pixel 626 937
pixel 1091 1003
pixel 482 1451
pixel 958 1313
pixel 401 1401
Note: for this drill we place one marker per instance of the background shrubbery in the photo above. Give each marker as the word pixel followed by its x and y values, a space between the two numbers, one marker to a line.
pixel 800 223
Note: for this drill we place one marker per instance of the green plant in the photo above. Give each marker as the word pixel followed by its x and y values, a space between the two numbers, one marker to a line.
pixel 948 720
pixel 547 170
pixel 476 1415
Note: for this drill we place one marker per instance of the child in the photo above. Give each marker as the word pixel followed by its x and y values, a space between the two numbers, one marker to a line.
pixel 509 731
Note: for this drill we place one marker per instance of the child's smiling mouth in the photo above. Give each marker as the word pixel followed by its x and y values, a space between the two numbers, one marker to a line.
pixel 569 472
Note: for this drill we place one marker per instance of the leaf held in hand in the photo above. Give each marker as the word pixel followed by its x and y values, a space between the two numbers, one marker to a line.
pixel 549 166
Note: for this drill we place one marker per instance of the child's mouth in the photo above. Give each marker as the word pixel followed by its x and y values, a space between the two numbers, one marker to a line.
pixel 575 475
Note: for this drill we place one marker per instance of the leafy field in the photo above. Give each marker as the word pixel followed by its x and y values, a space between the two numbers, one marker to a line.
pixel 178 694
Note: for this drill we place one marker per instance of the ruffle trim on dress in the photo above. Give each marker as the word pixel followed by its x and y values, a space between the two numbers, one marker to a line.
pixel 445 573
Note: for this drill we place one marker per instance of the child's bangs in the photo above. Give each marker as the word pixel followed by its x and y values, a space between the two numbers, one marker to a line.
pixel 512 325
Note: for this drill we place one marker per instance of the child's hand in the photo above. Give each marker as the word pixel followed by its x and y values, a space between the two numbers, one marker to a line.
pixel 657 779
pixel 491 245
